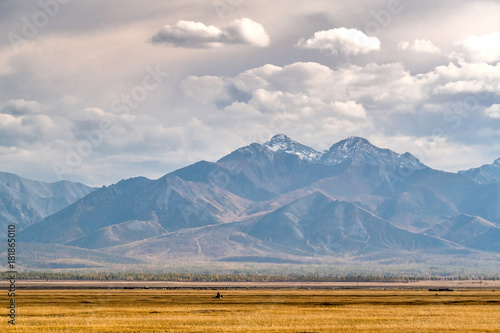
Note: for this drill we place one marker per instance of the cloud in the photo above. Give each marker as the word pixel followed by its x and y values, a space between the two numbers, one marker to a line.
pixel 472 86
pixel 205 88
pixel 198 35
pixel 25 131
pixel 484 48
pixel 303 95
pixel 350 109
pixel 22 124
pixel 246 31
pixel 229 99
pixel 436 152
pixel 135 133
pixel 466 77
pixel 311 89
pixel 341 40
pixel 189 34
pixel 310 101
pixel 419 46
pixel 19 107
pixel 493 111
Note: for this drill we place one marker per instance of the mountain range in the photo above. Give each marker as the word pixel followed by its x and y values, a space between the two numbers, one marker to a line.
pixel 282 201
pixel 24 202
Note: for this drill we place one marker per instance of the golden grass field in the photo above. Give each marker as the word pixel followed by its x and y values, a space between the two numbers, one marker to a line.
pixel 254 310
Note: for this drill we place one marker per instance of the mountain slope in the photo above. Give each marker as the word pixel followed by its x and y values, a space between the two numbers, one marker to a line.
pixel 117 234
pixel 24 202
pixel 322 226
pixel 55 256
pixel 216 175
pixel 169 201
pixel 469 231
pixel 486 174
pixel 426 196
pixel 313 228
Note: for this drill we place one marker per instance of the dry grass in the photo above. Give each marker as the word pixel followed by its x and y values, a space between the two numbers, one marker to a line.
pixel 255 311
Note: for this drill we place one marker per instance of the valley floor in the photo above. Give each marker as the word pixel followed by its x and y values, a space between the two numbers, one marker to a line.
pixel 120 284
pixel 255 310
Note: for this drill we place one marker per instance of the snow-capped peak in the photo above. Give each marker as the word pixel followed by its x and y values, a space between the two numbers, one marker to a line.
pixel 281 142
pixel 360 150
pixel 353 142
pixel 357 150
pixel 348 148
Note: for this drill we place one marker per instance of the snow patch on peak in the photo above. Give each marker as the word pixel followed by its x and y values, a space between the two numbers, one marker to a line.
pixel 356 140
pixel 281 142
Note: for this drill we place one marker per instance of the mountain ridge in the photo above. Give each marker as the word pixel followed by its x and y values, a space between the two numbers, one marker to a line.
pixel 25 202
pixel 286 201
pixel 485 174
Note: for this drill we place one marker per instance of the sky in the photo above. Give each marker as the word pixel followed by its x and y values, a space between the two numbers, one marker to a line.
pixel 99 91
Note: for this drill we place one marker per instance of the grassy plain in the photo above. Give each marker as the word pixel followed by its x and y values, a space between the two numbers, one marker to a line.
pixel 254 310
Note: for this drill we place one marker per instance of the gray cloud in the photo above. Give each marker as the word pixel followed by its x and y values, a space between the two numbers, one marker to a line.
pixel 22 132
pixel 198 35
pixel 19 107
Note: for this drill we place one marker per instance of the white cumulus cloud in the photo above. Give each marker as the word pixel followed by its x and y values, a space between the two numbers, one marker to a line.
pixel 341 40
pixel 198 35
pixel 246 31
pixel 419 46
pixel 493 111
pixel 484 48
pixel 350 109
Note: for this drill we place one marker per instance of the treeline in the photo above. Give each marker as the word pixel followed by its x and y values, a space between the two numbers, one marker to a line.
pixel 197 277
